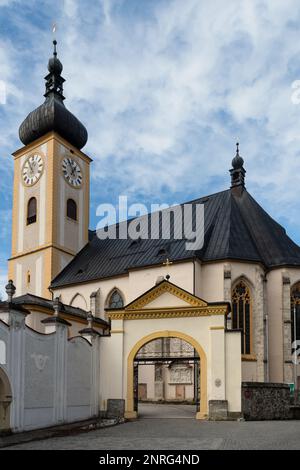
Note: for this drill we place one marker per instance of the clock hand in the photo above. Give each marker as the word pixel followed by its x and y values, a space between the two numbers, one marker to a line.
pixel 30 166
pixel 73 170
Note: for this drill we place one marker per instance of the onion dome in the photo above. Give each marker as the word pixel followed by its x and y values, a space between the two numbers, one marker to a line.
pixel 52 115
pixel 237 161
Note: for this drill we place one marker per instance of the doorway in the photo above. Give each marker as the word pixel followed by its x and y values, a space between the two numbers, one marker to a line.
pixel 168 373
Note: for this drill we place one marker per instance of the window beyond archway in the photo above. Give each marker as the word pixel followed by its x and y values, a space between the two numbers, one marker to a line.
pixel 241 314
pixel 295 310
pixel 115 300
pixel 31 211
pixel 71 209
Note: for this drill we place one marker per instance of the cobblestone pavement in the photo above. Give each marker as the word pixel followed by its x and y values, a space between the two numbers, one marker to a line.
pixel 170 433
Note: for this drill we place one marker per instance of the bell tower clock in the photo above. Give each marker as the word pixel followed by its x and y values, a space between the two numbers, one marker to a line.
pixel 51 191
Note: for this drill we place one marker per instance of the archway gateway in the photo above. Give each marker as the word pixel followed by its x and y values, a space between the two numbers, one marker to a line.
pixel 131 408
pixel 167 311
pixel 5 401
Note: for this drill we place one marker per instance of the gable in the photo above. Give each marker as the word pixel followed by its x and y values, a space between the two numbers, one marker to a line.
pixel 166 295
pixel 167 300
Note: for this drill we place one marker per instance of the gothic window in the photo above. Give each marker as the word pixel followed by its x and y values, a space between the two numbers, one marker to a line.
pixel 241 314
pixel 115 300
pixel 295 311
pixel 31 211
pixel 71 209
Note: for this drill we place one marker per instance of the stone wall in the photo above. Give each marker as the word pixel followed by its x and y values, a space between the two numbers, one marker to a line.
pixel 265 401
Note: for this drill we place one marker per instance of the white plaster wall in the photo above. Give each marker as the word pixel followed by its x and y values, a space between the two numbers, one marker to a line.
pixel 79 379
pixel 233 371
pixel 39 379
pixel 146 376
pixel 131 285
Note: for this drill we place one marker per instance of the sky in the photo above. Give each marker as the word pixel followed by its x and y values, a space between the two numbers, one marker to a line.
pixel 165 88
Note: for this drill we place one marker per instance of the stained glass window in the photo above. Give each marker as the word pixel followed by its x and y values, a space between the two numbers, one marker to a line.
pixel 241 314
pixel 295 311
pixel 116 300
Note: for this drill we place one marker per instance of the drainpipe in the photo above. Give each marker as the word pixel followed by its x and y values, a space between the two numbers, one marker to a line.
pixel 267 346
pixel 194 277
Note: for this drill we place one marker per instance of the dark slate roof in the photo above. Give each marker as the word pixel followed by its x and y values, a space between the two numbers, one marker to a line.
pixel 236 227
pixel 30 299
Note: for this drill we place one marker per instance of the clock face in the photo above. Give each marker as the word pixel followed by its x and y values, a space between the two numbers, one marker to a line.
pixel 72 172
pixel 32 169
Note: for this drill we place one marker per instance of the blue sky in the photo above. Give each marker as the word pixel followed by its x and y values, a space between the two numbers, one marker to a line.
pixel 165 88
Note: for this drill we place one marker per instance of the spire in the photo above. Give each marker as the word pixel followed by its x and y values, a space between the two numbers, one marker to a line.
pixel 54 80
pixel 237 171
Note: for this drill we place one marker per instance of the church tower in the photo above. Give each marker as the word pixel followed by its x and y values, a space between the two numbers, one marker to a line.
pixel 50 216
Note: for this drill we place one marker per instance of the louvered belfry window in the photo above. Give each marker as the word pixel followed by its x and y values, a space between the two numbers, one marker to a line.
pixel 241 314
pixel 71 209
pixel 31 211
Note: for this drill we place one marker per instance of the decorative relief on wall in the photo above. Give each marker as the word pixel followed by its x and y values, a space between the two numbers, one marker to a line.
pixel 39 360
pixel 180 374
pixel 218 382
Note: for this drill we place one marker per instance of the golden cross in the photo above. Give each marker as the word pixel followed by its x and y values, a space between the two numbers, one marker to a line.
pixel 167 262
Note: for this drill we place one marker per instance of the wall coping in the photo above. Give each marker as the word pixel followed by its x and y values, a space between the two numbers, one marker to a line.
pixel 264 385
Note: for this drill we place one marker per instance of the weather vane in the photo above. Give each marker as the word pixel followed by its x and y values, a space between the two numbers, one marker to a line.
pixel 54 28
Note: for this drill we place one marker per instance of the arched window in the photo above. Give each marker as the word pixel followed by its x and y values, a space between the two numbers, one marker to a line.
pixel 115 300
pixel 241 314
pixel 295 311
pixel 31 211
pixel 71 209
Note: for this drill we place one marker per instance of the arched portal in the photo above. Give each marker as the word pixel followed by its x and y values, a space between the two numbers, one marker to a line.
pixel 5 401
pixel 130 411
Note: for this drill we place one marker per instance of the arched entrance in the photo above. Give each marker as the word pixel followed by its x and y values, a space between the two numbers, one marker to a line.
pixel 130 408
pixel 5 401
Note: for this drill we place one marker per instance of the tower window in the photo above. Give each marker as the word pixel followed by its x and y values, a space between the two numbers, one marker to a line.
pixel 31 211
pixel 71 209
pixel 241 314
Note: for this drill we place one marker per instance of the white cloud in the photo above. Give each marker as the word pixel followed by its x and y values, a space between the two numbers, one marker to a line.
pixel 166 87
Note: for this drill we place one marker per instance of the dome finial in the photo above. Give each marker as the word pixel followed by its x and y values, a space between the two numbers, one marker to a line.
pixel 54 80
pixel 54 47
pixel 237 172
pixel 238 161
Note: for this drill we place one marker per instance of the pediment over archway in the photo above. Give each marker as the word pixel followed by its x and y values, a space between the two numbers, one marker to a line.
pixel 166 300
pixel 164 295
